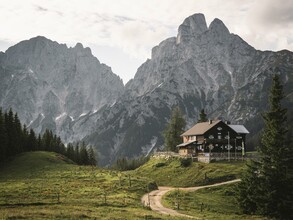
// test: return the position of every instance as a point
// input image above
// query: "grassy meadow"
(42, 185)
(169, 172)
(209, 203)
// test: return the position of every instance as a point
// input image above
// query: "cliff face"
(203, 67)
(52, 86)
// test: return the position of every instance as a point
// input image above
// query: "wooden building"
(213, 138)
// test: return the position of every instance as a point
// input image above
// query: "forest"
(16, 138)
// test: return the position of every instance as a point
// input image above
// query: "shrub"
(185, 162)
(152, 186)
(160, 164)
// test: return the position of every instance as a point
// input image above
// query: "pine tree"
(32, 141)
(77, 154)
(70, 151)
(18, 134)
(84, 157)
(3, 138)
(266, 188)
(92, 156)
(202, 116)
(174, 130)
(39, 143)
(11, 133)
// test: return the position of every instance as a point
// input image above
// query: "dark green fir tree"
(174, 129)
(92, 156)
(266, 187)
(202, 116)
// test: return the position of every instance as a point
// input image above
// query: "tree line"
(16, 138)
(124, 163)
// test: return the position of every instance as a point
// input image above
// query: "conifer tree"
(174, 129)
(24, 138)
(92, 157)
(18, 134)
(3, 138)
(10, 130)
(70, 151)
(266, 187)
(39, 143)
(32, 141)
(84, 157)
(202, 116)
(77, 154)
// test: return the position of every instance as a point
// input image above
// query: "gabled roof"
(200, 128)
(240, 129)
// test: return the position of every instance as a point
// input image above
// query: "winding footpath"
(153, 199)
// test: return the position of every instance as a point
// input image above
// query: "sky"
(121, 33)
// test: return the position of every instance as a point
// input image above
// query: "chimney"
(228, 122)
(210, 121)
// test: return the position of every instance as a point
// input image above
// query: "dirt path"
(153, 199)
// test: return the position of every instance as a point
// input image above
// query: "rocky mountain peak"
(218, 28)
(78, 46)
(82, 51)
(52, 86)
(194, 25)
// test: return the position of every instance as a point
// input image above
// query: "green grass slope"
(43, 185)
(169, 172)
(210, 203)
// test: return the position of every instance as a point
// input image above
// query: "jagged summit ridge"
(196, 26)
(51, 85)
(192, 26)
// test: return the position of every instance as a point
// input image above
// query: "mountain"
(203, 67)
(71, 92)
(53, 86)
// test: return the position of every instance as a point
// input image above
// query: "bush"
(185, 162)
(160, 164)
(152, 186)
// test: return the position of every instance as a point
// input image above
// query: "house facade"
(213, 138)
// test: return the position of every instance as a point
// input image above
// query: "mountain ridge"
(52, 85)
(201, 68)
(211, 69)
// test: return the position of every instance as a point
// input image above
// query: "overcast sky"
(121, 33)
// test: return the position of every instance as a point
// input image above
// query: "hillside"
(169, 172)
(42, 185)
(209, 203)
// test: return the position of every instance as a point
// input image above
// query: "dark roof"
(200, 128)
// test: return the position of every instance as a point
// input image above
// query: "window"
(211, 137)
(219, 136)
(193, 138)
(219, 128)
